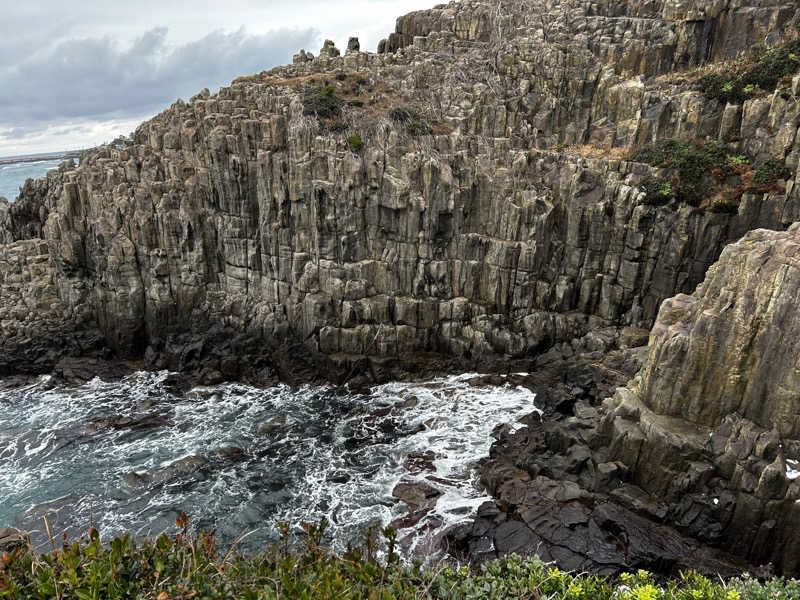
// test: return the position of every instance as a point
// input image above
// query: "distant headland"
(10, 160)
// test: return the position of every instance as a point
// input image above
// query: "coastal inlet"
(130, 456)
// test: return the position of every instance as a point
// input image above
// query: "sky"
(77, 74)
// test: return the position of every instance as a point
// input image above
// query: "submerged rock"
(276, 426)
(417, 494)
(180, 469)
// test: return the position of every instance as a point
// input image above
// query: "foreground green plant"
(184, 567)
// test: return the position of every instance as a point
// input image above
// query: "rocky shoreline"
(492, 218)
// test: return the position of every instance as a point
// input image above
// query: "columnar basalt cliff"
(711, 425)
(236, 219)
(701, 446)
(489, 209)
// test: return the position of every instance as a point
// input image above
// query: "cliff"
(235, 221)
(497, 203)
(693, 463)
(711, 424)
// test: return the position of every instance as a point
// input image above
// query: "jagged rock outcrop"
(701, 447)
(234, 223)
(487, 210)
(711, 425)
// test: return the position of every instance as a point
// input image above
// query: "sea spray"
(131, 455)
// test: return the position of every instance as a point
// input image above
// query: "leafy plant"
(183, 567)
(657, 191)
(323, 103)
(693, 168)
(413, 120)
(770, 171)
(762, 69)
(355, 143)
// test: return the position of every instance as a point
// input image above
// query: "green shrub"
(727, 206)
(323, 103)
(412, 119)
(185, 567)
(770, 171)
(693, 167)
(762, 69)
(355, 143)
(657, 191)
(401, 114)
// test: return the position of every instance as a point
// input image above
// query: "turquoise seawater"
(12, 177)
(129, 456)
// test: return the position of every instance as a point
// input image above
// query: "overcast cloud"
(86, 72)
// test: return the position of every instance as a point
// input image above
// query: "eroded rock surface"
(233, 231)
(699, 451)
(489, 215)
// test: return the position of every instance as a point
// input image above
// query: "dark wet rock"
(418, 462)
(61, 514)
(410, 402)
(16, 381)
(231, 454)
(120, 423)
(411, 519)
(381, 412)
(442, 481)
(191, 466)
(75, 371)
(175, 384)
(146, 405)
(338, 477)
(274, 427)
(416, 493)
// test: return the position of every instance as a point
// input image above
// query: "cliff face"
(711, 423)
(694, 464)
(236, 219)
(488, 209)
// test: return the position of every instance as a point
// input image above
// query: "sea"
(132, 455)
(13, 176)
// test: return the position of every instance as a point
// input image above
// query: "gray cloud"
(76, 74)
(96, 77)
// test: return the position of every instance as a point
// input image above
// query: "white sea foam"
(338, 455)
(13, 176)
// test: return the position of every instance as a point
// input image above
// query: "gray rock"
(417, 494)
(12, 539)
(179, 469)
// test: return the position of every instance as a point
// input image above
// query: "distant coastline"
(40, 157)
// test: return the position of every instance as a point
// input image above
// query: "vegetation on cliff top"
(185, 566)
